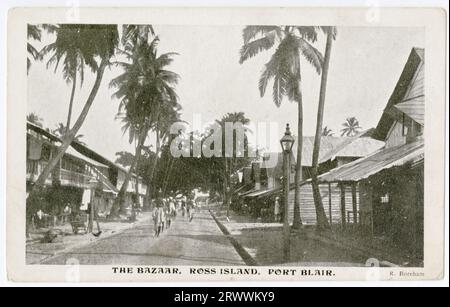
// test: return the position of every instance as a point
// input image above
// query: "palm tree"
(146, 91)
(291, 43)
(322, 221)
(70, 49)
(34, 33)
(99, 43)
(35, 119)
(351, 127)
(230, 162)
(327, 132)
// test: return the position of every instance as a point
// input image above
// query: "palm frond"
(252, 48)
(250, 32)
(311, 54)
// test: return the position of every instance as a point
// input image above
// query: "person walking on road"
(157, 219)
(168, 215)
(172, 208)
(183, 208)
(191, 209)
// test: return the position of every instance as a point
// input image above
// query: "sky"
(365, 65)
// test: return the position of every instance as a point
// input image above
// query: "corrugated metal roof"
(384, 158)
(414, 108)
(72, 152)
(260, 192)
(330, 148)
(328, 145)
(361, 147)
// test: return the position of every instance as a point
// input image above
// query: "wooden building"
(82, 175)
(387, 186)
(334, 152)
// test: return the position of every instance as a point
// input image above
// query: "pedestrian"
(172, 208)
(277, 209)
(157, 222)
(168, 215)
(162, 214)
(191, 208)
(183, 208)
(66, 213)
(94, 219)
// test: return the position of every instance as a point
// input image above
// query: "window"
(405, 125)
(384, 199)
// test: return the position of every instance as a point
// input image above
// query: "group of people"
(166, 210)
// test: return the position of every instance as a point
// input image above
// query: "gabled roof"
(360, 147)
(410, 85)
(383, 159)
(330, 148)
(413, 108)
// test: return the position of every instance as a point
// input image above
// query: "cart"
(78, 221)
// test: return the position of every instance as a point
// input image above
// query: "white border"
(7, 4)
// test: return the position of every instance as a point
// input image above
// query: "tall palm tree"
(146, 91)
(34, 33)
(229, 163)
(351, 127)
(322, 221)
(291, 42)
(99, 43)
(327, 132)
(68, 48)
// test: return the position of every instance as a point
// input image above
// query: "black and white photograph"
(241, 150)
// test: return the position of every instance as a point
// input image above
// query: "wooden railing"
(66, 177)
(71, 178)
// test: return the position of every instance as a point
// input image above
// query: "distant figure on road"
(191, 209)
(157, 218)
(183, 208)
(168, 215)
(172, 208)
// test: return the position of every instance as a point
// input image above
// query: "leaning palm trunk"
(322, 221)
(67, 140)
(297, 222)
(72, 95)
(119, 203)
(70, 136)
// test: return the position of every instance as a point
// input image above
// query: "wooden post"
(343, 217)
(329, 204)
(355, 206)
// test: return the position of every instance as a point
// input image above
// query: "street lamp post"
(287, 141)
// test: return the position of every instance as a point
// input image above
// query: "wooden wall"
(307, 208)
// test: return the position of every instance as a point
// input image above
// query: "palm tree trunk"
(152, 185)
(297, 222)
(69, 137)
(72, 95)
(322, 221)
(119, 203)
(168, 173)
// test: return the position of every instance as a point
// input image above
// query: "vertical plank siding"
(308, 210)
